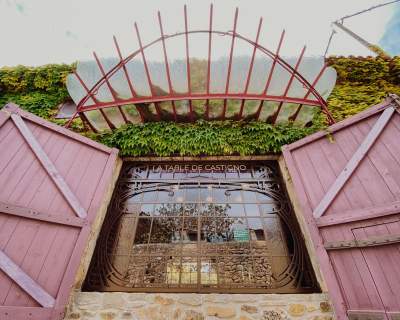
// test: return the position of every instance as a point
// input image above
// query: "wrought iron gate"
(200, 227)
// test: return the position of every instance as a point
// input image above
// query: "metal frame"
(172, 97)
(115, 250)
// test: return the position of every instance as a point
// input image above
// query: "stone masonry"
(159, 306)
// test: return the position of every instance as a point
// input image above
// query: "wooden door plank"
(326, 174)
(14, 109)
(49, 166)
(351, 280)
(40, 216)
(323, 258)
(5, 131)
(16, 148)
(25, 163)
(375, 262)
(46, 196)
(81, 163)
(353, 162)
(36, 189)
(32, 263)
(31, 313)
(354, 189)
(57, 259)
(25, 282)
(101, 198)
(384, 163)
(340, 125)
(359, 214)
(4, 116)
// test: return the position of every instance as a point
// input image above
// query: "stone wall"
(153, 306)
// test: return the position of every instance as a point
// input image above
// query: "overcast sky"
(35, 32)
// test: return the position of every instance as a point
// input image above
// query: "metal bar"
(369, 9)
(108, 121)
(362, 41)
(131, 88)
(49, 166)
(166, 63)
(40, 216)
(29, 285)
(187, 61)
(276, 56)
(146, 68)
(228, 77)
(289, 84)
(203, 96)
(209, 61)
(85, 119)
(89, 93)
(104, 76)
(123, 115)
(251, 66)
(165, 53)
(294, 117)
(353, 163)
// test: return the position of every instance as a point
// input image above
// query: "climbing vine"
(203, 138)
(362, 82)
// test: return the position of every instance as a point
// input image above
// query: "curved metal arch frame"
(171, 97)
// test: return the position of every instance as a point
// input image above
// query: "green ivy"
(203, 138)
(36, 89)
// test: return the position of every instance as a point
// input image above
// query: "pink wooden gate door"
(53, 182)
(348, 185)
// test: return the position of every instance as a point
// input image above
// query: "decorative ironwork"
(266, 87)
(200, 227)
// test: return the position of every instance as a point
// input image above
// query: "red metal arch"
(172, 97)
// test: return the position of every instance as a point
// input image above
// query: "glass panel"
(97, 120)
(182, 108)
(138, 76)
(199, 108)
(250, 108)
(142, 236)
(287, 111)
(259, 76)
(215, 108)
(198, 62)
(167, 112)
(115, 116)
(240, 66)
(208, 271)
(189, 273)
(177, 64)
(268, 109)
(131, 113)
(305, 115)
(166, 230)
(236, 210)
(232, 109)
